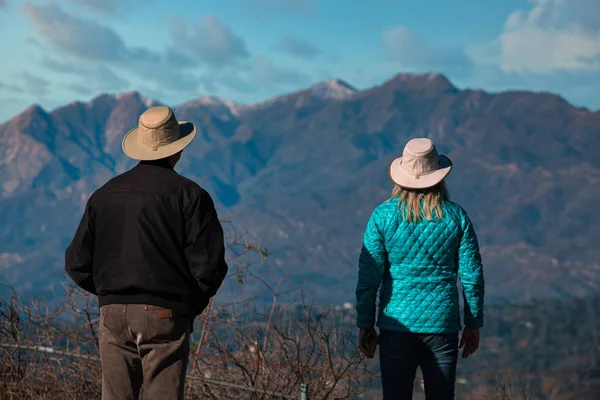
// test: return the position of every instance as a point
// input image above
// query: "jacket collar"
(159, 163)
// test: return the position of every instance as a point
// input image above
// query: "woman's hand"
(361, 340)
(470, 341)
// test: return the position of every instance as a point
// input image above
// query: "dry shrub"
(245, 349)
(48, 354)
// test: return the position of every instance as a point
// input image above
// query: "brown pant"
(143, 344)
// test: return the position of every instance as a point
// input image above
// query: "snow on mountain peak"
(334, 89)
(427, 80)
(147, 101)
(215, 102)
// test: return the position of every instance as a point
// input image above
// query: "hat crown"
(420, 157)
(158, 127)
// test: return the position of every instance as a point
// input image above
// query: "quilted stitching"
(417, 266)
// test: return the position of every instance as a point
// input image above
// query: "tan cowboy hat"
(158, 135)
(420, 166)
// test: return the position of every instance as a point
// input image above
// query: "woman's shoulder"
(390, 207)
(387, 207)
(385, 212)
(455, 210)
(453, 206)
(393, 202)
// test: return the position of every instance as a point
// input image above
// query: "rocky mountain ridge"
(303, 171)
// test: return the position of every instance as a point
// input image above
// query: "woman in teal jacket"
(415, 246)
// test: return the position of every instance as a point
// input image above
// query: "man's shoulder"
(133, 179)
(190, 191)
(166, 182)
(188, 185)
(107, 187)
(115, 183)
(175, 182)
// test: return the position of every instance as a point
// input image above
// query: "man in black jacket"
(150, 246)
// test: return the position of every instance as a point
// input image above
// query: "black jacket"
(149, 236)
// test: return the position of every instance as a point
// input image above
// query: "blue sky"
(58, 51)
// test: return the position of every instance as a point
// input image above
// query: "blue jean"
(400, 353)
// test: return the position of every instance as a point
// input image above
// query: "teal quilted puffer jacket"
(417, 265)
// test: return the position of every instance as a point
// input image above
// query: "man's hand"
(364, 332)
(470, 341)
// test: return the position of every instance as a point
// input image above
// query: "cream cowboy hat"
(158, 135)
(420, 166)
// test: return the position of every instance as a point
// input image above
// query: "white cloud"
(79, 37)
(264, 72)
(10, 87)
(261, 74)
(562, 13)
(34, 84)
(93, 50)
(411, 51)
(299, 47)
(103, 6)
(552, 35)
(530, 48)
(98, 58)
(79, 89)
(212, 41)
(110, 7)
(307, 7)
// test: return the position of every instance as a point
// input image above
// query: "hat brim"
(134, 149)
(403, 179)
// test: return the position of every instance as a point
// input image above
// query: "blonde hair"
(416, 204)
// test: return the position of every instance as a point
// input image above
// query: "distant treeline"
(546, 349)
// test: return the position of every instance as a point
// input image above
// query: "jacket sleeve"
(371, 266)
(470, 269)
(205, 248)
(79, 254)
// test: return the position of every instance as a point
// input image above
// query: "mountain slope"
(303, 171)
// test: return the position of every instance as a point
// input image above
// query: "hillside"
(545, 349)
(303, 171)
(537, 350)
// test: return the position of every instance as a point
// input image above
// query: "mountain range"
(303, 171)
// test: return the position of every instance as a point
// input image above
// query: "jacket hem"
(185, 309)
(426, 330)
(474, 324)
